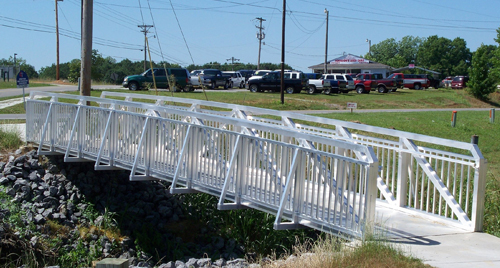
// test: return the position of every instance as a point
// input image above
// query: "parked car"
(328, 84)
(459, 82)
(343, 77)
(259, 74)
(195, 78)
(433, 82)
(411, 81)
(213, 78)
(447, 81)
(236, 79)
(298, 76)
(142, 81)
(246, 73)
(367, 82)
(313, 75)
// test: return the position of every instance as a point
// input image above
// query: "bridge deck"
(394, 224)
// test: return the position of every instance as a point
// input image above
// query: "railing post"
(403, 174)
(371, 194)
(478, 195)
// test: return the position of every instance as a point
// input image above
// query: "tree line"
(107, 69)
(446, 56)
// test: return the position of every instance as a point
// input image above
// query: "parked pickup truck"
(214, 78)
(411, 81)
(364, 83)
(272, 82)
(328, 84)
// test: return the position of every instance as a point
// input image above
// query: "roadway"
(11, 92)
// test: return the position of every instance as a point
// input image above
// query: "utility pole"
(282, 83)
(232, 59)
(260, 36)
(88, 7)
(145, 30)
(57, 42)
(326, 43)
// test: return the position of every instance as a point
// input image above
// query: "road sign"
(352, 105)
(22, 80)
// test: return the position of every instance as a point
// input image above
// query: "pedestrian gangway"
(335, 176)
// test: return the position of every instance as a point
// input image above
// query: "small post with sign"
(22, 81)
(352, 105)
(453, 118)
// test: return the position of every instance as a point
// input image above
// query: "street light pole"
(326, 43)
(369, 46)
(15, 64)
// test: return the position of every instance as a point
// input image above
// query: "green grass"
(9, 140)
(12, 84)
(332, 252)
(401, 99)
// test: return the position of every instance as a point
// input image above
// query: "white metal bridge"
(339, 177)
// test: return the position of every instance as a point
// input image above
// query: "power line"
(182, 33)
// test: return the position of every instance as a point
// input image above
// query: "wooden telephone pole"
(85, 72)
(57, 42)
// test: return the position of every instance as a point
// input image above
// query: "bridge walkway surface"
(423, 193)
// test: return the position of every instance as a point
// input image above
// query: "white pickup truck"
(319, 85)
(329, 83)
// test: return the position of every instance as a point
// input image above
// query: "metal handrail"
(327, 191)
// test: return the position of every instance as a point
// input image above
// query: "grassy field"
(12, 84)
(401, 99)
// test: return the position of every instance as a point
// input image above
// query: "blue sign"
(22, 80)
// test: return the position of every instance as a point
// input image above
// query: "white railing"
(333, 192)
(437, 178)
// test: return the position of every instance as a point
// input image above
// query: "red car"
(447, 81)
(459, 82)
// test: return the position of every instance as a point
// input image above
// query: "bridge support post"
(404, 168)
(478, 196)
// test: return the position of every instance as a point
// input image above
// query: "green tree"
(444, 55)
(74, 70)
(496, 58)
(482, 81)
(396, 53)
(383, 51)
(21, 65)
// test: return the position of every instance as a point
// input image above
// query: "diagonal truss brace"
(438, 183)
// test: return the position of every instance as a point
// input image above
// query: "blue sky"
(215, 30)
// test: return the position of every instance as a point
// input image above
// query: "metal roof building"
(352, 64)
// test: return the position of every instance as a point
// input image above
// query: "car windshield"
(210, 72)
(457, 79)
(261, 72)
